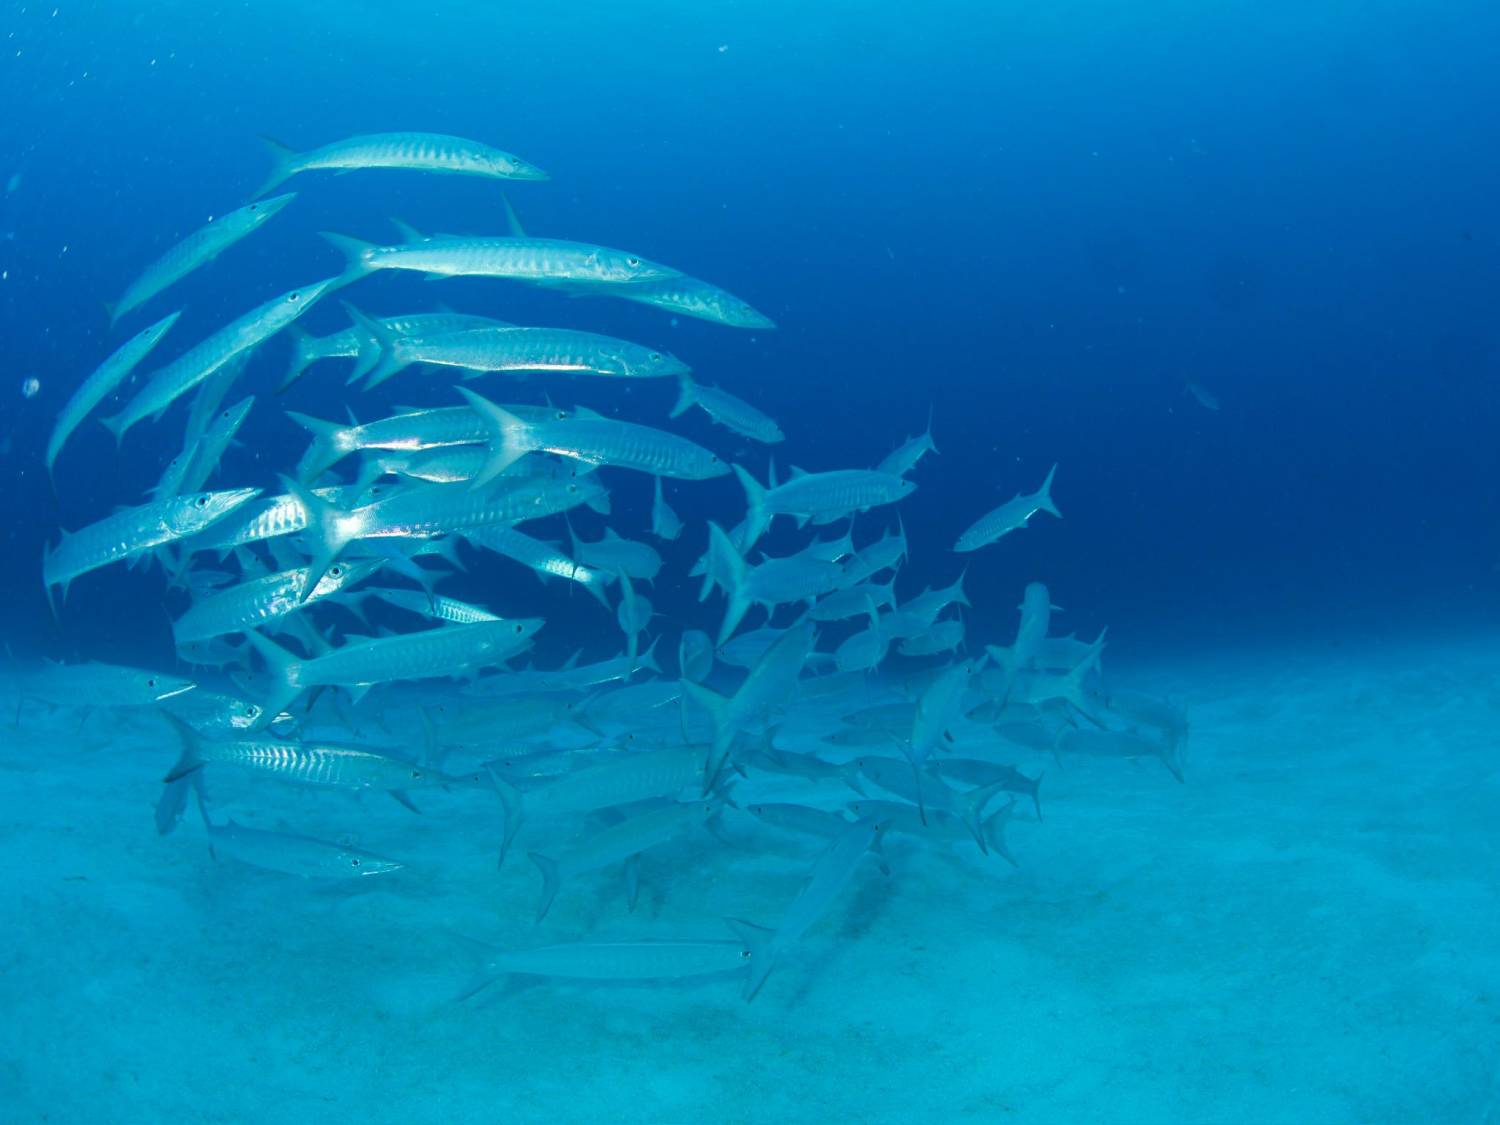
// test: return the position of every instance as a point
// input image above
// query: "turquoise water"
(1231, 271)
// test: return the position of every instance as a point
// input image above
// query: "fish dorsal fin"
(512, 222)
(408, 232)
(796, 471)
(585, 412)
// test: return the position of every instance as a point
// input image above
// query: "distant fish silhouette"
(1205, 400)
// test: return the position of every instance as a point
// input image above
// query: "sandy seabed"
(1306, 931)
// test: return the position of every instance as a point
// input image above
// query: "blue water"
(1036, 223)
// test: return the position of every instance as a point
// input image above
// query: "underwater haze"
(1069, 696)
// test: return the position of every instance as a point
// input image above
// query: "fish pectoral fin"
(401, 798)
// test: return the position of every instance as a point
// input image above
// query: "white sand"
(1308, 931)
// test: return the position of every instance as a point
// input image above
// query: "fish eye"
(151, 682)
(518, 627)
(253, 206)
(744, 955)
(656, 357)
(252, 710)
(336, 571)
(416, 774)
(201, 502)
(354, 862)
(632, 262)
(293, 296)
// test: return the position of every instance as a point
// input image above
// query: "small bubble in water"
(30, 386)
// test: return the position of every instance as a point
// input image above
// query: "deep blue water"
(1038, 222)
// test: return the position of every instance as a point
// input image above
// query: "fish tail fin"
(718, 709)
(648, 660)
(116, 424)
(330, 443)
(958, 590)
(383, 357)
(112, 310)
(974, 802)
(1074, 689)
(281, 666)
(756, 518)
(328, 533)
(994, 831)
(728, 566)
(514, 809)
(282, 158)
(508, 437)
(551, 881)
(759, 944)
(304, 354)
(174, 798)
(686, 395)
(930, 443)
(1044, 494)
(191, 757)
(359, 255)
(1036, 794)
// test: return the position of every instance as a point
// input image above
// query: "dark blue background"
(1039, 220)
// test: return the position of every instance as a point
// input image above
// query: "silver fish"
(105, 378)
(522, 351)
(521, 259)
(687, 296)
(198, 363)
(724, 408)
(594, 440)
(1013, 515)
(422, 152)
(356, 343)
(197, 249)
(430, 654)
(134, 531)
(253, 604)
(822, 497)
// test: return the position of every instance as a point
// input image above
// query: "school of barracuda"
(849, 722)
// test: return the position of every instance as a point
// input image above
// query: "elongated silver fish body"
(198, 363)
(356, 342)
(436, 606)
(527, 351)
(96, 684)
(104, 379)
(541, 557)
(210, 447)
(594, 440)
(197, 249)
(266, 519)
(728, 410)
(822, 497)
(253, 604)
(429, 654)
(1013, 515)
(520, 259)
(134, 531)
(690, 297)
(422, 152)
(291, 854)
(328, 765)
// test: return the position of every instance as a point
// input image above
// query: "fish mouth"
(174, 692)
